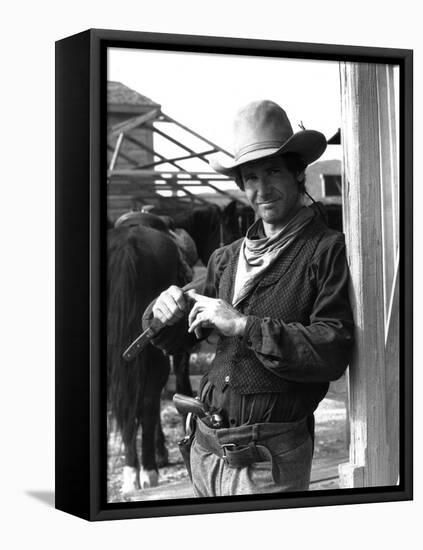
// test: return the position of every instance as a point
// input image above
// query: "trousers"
(286, 466)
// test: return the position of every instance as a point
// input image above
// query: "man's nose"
(262, 186)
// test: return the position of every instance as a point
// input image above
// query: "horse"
(142, 262)
(236, 219)
(203, 224)
(188, 256)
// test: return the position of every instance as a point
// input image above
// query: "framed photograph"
(233, 274)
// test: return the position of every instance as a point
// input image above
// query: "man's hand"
(215, 313)
(170, 306)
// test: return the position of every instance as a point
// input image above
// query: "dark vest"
(286, 292)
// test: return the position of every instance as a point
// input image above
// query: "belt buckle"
(224, 447)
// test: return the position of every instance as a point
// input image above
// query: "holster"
(186, 442)
(185, 448)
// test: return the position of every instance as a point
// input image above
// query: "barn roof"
(119, 94)
(170, 171)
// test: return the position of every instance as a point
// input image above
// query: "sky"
(204, 91)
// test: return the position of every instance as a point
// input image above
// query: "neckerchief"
(257, 254)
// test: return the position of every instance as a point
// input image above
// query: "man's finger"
(163, 309)
(194, 312)
(193, 294)
(171, 303)
(194, 321)
(198, 329)
(167, 310)
(196, 326)
(164, 315)
(178, 296)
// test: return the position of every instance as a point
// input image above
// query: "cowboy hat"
(262, 129)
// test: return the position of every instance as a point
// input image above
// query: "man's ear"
(301, 176)
(238, 180)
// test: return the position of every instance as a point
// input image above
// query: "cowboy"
(278, 301)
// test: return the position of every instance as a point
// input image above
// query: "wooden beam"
(133, 123)
(124, 156)
(134, 110)
(364, 119)
(391, 277)
(144, 172)
(389, 176)
(153, 152)
(392, 340)
(167, 118)
(226, 193)
(174, 141)
(192, 152)
(175, 159)
(116, 151)
(177, 187)
(139, 173)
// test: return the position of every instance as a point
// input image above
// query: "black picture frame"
(80, 271)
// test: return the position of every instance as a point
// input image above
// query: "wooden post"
(371, 229)
(116, 151)
(390, 232)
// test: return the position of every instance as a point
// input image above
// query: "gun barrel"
(185, 404)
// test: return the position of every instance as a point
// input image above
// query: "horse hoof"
(131, 482)
(148, 478)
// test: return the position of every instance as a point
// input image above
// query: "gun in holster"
(186, 405)
(193, 408)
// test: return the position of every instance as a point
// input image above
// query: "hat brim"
(308, 144)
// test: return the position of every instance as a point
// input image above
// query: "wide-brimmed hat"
(262, 129)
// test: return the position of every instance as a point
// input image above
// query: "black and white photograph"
(253, 275)
(210, 295)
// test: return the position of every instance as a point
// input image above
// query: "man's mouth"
(267, 202)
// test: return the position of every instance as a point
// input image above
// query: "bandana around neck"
(258, 253)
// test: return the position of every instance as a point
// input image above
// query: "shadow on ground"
(46, 497)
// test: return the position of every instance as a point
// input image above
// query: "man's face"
(272, 190)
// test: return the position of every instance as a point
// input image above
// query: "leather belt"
(249, 447)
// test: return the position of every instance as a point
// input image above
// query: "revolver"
(186, 405)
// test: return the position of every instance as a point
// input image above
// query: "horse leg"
(149, 476)
(150, 415)
(131, 469)
(183, 382)
(181, 370)
(162, 455)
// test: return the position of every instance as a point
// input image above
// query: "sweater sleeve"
(318, 351)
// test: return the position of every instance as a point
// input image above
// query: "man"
(278, 300)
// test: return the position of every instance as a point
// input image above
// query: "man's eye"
(274, 171)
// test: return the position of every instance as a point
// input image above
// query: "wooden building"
(123, 107)
(124, 104)
(155, 160)
(324, 184)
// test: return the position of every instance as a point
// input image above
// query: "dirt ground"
(330, 441)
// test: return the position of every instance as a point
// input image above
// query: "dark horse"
(203, 224)
(142, 262)
(236, 219)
